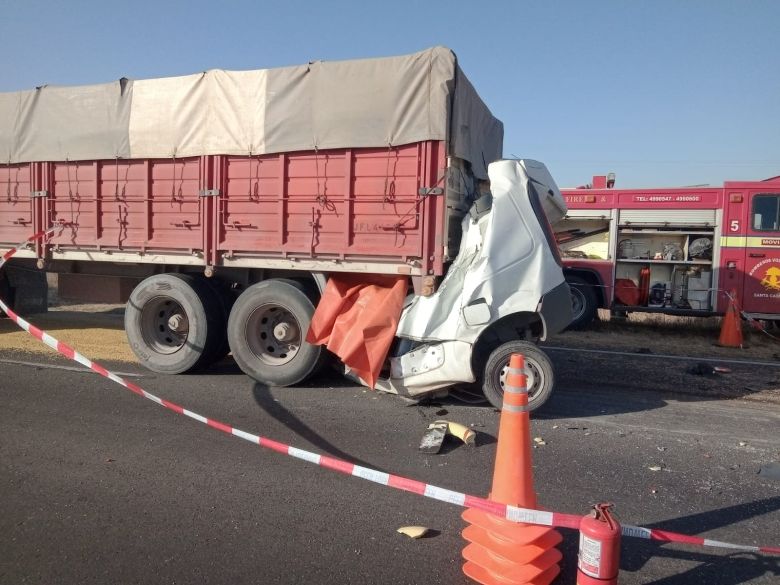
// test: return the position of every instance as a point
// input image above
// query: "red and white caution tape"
(664, 536)
(512, 513)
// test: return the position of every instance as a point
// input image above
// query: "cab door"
(761, 292)
(731, 265)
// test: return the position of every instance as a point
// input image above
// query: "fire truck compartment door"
(681, 217)
(588, 214)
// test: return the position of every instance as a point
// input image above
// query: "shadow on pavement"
(265, 400)
(716, 569)
(596, 400)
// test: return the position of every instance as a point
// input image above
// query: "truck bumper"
(556, 310)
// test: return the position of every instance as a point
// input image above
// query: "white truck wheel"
(539, 371)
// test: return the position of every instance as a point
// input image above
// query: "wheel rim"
(273, 334)
(577, 302)
(164, 325)
(534, 378)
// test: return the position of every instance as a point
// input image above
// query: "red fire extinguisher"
(644, 286)
(598, 560)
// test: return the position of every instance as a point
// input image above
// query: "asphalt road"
(100, 486)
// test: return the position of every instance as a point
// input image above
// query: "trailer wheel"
(174, 323)
(539, 372)
(267, 330)
(583, 302)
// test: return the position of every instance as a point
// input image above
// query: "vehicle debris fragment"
(433, 437)
(705, 369)
(465, 434)
(414, 532)
(437, 431)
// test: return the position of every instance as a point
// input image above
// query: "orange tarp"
(357, 318)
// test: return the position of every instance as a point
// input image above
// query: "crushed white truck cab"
(504, 291)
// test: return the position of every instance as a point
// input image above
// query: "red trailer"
(219, 204)
(675, 251)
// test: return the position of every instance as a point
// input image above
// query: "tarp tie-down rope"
(512, 513)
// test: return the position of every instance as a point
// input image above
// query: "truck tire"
(584, 304)
(539, 371)
(174, 323)
(267, 330)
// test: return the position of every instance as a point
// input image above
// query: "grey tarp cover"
(343, 104)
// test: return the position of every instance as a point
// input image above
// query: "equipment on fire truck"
(700, 248)
(657, 294)
(680, 288)
(728, 233)
(627, 249)
(644, 285)
(699, 288)
(626, 292)
(690, 287)
(672, 251)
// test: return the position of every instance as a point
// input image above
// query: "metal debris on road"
(437, 431)
(433, 437)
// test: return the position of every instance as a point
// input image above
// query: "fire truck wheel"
(174, 323)
(267, 330)
(584, 305)
(538, 367)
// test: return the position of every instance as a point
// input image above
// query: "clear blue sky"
(660, 92)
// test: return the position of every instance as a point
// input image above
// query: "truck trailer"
(676, 251)
(219, 205)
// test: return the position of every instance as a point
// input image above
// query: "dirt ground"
(650, 347)
(665, 334)
(97, 331)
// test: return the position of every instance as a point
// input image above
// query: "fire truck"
(677, 251)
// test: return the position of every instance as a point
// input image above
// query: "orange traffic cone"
(501, 551)
(731, 328)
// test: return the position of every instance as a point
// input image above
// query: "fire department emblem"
(771, 280)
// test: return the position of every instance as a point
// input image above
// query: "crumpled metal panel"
(504, 259)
